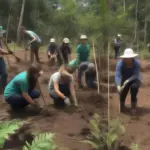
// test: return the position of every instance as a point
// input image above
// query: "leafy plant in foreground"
(135, 147)
(101, 136)
(43, 141)
(8, 128)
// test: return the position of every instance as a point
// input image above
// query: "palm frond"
(43, 141)
(8, 128)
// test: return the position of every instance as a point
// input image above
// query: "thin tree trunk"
(145, 31)
(124, 5)
(20, 21)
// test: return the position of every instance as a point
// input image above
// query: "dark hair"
(31, 72)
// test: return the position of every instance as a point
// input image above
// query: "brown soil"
(137, 127)
(70, 126)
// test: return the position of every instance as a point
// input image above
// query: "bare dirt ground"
(70, 127)
(138, 127)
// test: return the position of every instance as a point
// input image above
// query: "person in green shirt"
(20, 91)
(83, 50)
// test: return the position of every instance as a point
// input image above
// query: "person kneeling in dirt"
(128, 78)
(89, 71)
(61, 86)
(21, 91)
(52, 49)
(65, 50)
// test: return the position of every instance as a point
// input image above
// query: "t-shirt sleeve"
(31, 34)
(23, 87)
(118, 74)
(56, 78)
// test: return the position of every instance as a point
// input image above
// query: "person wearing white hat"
(52, 49)
(117, 43)
(127, 78)
(87, 69)
(65, 50)
(61, 87)
(83, 50)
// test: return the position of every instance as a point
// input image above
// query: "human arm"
(3, 52)
(32, 36)
(73, 93)
(83, 80)
(56, 88)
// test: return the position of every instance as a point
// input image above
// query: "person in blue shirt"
(20, 91)
(88, 71)
(128, 78)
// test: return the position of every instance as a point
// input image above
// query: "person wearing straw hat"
(3, 70)
(61, 87)
(128, 78)
(34, 44)
(52, 49)
(83, 50)
(117, 42)
(20, 91)
(65, 50)
(87, 69)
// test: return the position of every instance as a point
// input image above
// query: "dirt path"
(70, 128)
(137, 128)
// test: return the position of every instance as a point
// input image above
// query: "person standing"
(3, 69)
(65, 50)
(127, 78)
(117, 42)
(34, 44)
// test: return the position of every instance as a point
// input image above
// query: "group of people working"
(21, 90)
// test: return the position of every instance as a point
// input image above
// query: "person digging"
(20, 91)
(3, 68)
(34, 44)
(127, 78)
(87, 69)
(61, 87)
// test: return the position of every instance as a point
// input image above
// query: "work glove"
(125, 83)
(67, 101)
(119, 89)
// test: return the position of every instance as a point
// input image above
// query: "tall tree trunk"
(145, 30)
(124, 5)
(20, 21)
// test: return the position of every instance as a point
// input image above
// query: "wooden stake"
(97, 75)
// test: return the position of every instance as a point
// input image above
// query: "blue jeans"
(17, 101)
(3, 74)
(59, 102)
(91, 84)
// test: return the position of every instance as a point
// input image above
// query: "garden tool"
(17, 58)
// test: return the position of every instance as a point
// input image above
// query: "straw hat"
(128, 53)
(52, 40)
(83, 37)
(66, 40)
(119, 35)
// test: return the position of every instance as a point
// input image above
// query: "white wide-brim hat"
(52, 40)
(66, 40)
(128, 53)
(83, 37)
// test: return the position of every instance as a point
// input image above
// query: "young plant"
(7, 128)
(102, 136)
(135, 147)
(43, 141)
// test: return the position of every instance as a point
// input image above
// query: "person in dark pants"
(61, 87)
(21, 91)
(34, 44)
(65, 50)
(87, 70)
(3, 69)
(128, 78)
(117, 42)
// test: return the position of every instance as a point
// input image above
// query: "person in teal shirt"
(83, 50)
(21, 91)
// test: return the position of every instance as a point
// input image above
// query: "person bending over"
(87, 69)
(61, 87)
(20, 91)
(128, 78)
